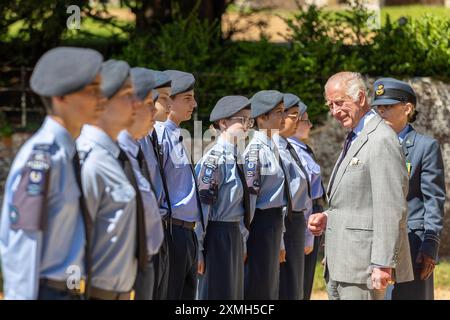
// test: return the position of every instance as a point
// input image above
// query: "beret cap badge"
(380, 90)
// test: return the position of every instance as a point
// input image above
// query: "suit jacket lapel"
(409, 141)
(355, 147)
(407, 146)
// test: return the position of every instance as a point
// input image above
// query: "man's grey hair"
(353, 82)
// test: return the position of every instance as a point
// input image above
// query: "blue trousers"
(262, 270)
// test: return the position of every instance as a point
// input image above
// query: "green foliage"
(320, 43)
(6, 129)
(412, 47)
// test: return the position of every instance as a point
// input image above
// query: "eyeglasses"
(336, 103)
(294, 116)
(307, 121)
(244, 121)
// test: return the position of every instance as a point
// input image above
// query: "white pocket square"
(355, 162)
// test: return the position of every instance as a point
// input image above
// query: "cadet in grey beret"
(227, 106)
(181, 81)
(114, 74)
(143, 82)
(264, 101)
(162, 80)
(64, 70)
(33, 203)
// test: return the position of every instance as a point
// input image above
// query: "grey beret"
(302, 107)
(389, 91)
(227, 106)
(155, 95)
(264, 101)
(290, 100)
(181, 81)
(114, 75)
(162, 80)
(143, 82)
(65, 70)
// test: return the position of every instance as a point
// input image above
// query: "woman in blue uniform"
(225, 203)
(269, 194)
(318, 195)
(396, 102)
(292, 270)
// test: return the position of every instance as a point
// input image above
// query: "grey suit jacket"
(368, 210)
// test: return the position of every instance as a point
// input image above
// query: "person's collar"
(62, 135)
(97, 135)
(173, 127)
(127, 142)
(363, 121)
(297, 142)
(280, 141)
(402, 134)
(264, 138)
(226, 145)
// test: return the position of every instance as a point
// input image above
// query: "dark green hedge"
(321, 44)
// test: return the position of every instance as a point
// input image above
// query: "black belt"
(62, 286)
(100, 294)
(177, 222)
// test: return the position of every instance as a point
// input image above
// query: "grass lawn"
(441, 279)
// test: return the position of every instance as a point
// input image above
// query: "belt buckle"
(82, 287)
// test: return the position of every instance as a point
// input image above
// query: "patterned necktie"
(140, 218)
(87, 221)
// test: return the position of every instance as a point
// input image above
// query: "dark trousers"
(145, 282)
(48, 293)
(262, 270)
(161, 266)
(224, 264)
(310, 269)
(416, 289)
(292, 271)
(183, 250)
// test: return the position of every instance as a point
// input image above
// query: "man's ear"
(362, 98)
(222, 124)
(408, 108)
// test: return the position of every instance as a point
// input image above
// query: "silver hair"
(353, 82)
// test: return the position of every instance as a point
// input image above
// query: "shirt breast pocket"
(314, 168)
(122, 193)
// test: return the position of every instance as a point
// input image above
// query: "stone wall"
(327, 140)
(433, 119)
